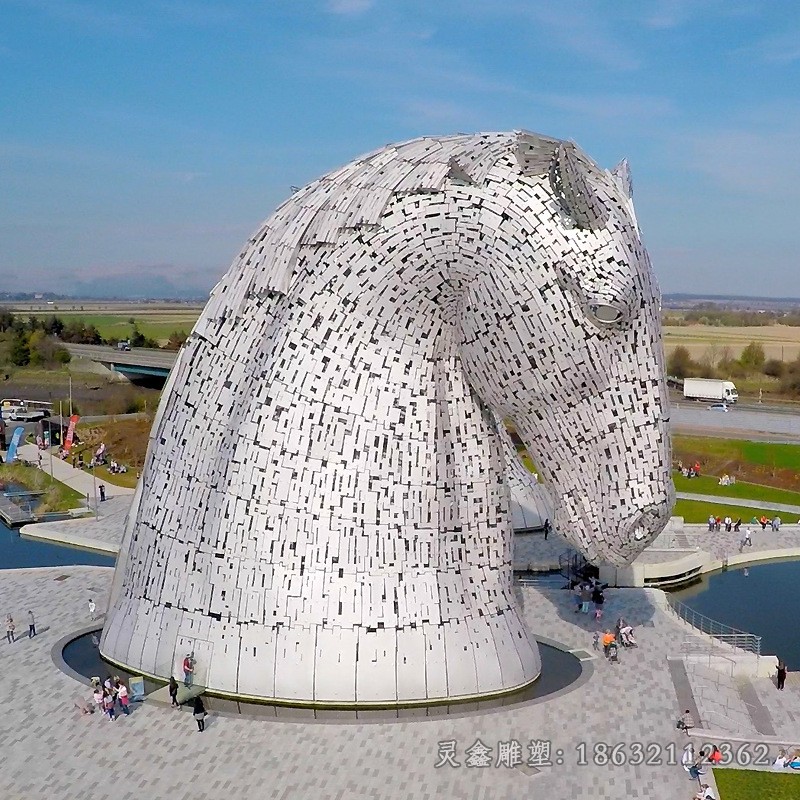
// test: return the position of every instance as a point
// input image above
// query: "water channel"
(761, 599)
(19, 553)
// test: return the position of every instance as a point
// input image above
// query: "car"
(26, 415)
(718, 407)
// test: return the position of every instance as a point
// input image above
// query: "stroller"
(613, 653)
(627, 637)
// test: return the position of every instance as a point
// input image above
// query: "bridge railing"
(725, 634)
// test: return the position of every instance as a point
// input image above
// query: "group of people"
(109, 694)
(621, 637)
(198, 708)
(589, 593)
(11, 627)
(695, 763)
(718, 523)
(692, 471)
(787, 760)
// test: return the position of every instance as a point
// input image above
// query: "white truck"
(710, 389)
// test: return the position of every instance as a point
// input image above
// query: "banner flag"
(14, 444)
(73, 421)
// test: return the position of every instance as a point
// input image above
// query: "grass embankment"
(761, 463)
(126, 443)
(56, 495)
(697, 511)
(742, 784)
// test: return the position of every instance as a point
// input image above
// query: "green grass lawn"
(742, 784)
(56, 495)
(782, 456)
(155, 325)
(709, 484)
(118, 479)
(693, 511)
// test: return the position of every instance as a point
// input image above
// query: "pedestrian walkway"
(81, 480)
(103, 533)
(739, 501)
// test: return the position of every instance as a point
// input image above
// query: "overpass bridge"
(139, 362)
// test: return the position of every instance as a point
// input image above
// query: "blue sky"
(142, 142)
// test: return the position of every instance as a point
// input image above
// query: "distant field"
(779, 341)
(155, 324)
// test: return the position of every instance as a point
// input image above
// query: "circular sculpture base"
(561, 672)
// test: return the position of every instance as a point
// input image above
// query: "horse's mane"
(355, 197)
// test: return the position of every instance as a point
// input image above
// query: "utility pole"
(96, 506)
(70, 395)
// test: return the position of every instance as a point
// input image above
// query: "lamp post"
(61, 422)
(94, 484)
(70, 395)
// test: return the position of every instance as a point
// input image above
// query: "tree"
(752, 357)
(6, 320)
(680, 364)
(774, 368)
(20, 352)
(176, 340)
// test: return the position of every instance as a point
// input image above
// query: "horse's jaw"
(611, 485)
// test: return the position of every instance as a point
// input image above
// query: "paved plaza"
(49, 749)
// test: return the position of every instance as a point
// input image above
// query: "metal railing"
(740, 640)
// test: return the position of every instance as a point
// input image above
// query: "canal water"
(761, 599)
(18, 553)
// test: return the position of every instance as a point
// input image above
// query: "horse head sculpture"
(323, 514)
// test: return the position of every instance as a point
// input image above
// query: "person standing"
(711, 522)
(199, 713)
(92, 608)
(122, 696)
(31, 625)
(746, 540)
(546, 529)
(188, 669)
(10, 628)
(598, 598)
(781, 675)
(108, 704)
(102, 489)
(98, 696)
(173, 691)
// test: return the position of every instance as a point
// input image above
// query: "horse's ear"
(574, 192)
(458, 173)
(622, 175)
(533, 152)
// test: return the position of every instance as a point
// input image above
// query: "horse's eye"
(604, 314)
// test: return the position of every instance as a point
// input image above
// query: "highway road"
(747, 420)
(138, 356)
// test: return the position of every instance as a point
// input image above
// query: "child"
(596, 640)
